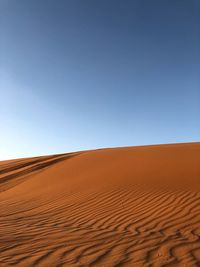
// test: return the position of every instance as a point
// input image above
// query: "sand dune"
(135, 206)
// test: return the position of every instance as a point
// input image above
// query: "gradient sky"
(79, 74)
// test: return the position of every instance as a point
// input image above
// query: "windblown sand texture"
(133, 206)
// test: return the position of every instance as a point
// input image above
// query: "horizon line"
(102, 148)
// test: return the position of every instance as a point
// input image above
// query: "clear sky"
(80, 74)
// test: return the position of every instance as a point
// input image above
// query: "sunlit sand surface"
(132, 206)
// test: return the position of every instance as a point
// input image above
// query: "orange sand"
(134, 206)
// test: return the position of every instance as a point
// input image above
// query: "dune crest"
(132, 206)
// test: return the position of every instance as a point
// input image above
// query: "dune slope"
(135, 206)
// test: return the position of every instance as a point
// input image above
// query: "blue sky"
(77, 75)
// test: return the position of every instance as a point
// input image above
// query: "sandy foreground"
(133, 206)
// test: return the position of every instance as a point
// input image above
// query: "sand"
(132, 206)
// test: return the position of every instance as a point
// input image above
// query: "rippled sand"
(133, 206)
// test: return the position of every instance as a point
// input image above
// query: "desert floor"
(131, 206)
